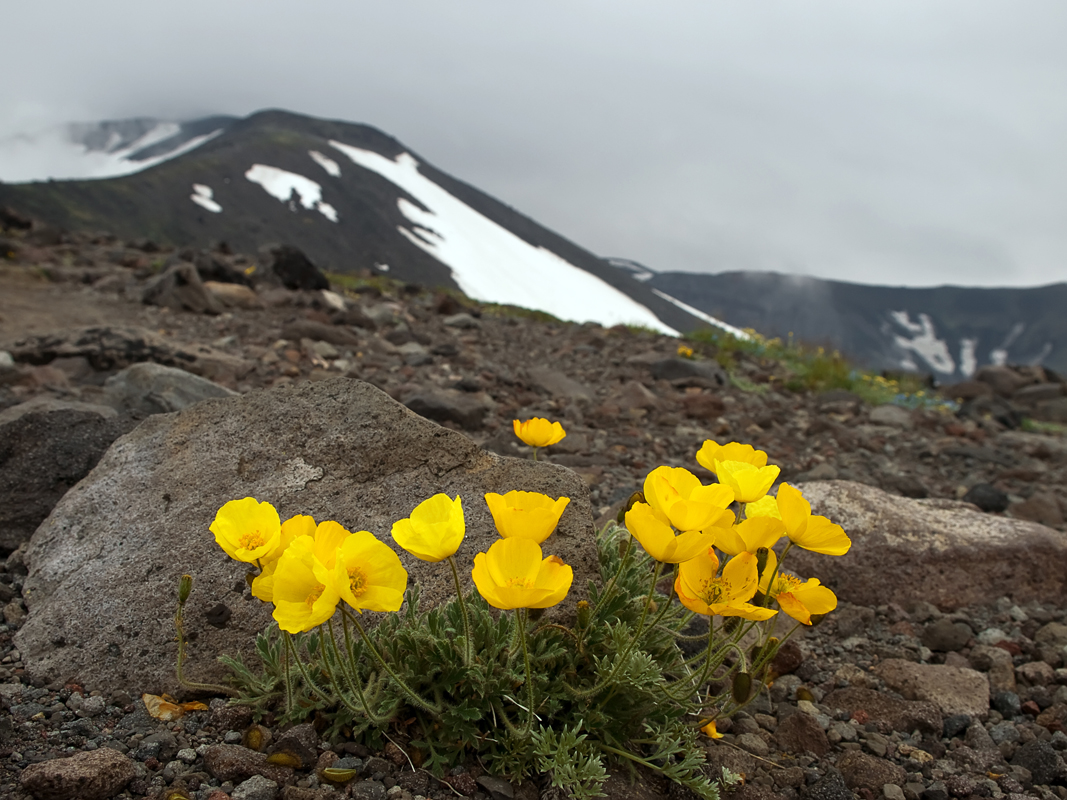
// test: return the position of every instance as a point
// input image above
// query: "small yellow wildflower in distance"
(247, 529)
(367, 574)
(527, 515)
(806, 530)
(435, 529)
(539, 432)
(653, 530)
(749, 482)
(679, 495)
(514, 575)
(712, 451)
(700, 588)
(685, 351)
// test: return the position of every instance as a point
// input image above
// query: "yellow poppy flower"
(749, 535)
(263, 585)
(711, 730)
(247, 529)
(748, 481)
(304, 591)
(538, 432)
(513, 575)
(528, 515)
(367, 574)
(435, 529)
(712, 451)
(700, 588)
(813, 533)
(766, 506)
(653, 530)
(679, 495)
(797, 598)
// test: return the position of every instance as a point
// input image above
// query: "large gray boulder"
(147, 388)
(46, 447)
(944, 552)
(105, 565)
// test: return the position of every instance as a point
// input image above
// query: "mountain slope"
(948, 331)
(353, 198)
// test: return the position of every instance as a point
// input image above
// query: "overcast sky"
(898, 142)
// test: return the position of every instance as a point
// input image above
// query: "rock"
(415, 354)
(945, 636)
(992, 407)
(1043, 762)
(1035, 673)
(1004, 381)
(673, 369)
(295, 270)
(1041, 507)
(633, 394)
(47, 446)
(334, 449)
(449, 405)
(831, 786)
(997, 662)
(93, 775)
(463, 321)
(900, 715)
(954, 690)
(703, 405)
(498, 788)
(108, 348)
(1053, 635)
(753, 743)
(987, 497)
(319, 332)
(234, 295)
(861, 771)
(555, 384)
(231, 762)
(255, 788)
(7, 362)
(800, 733)
(1007, 704)
(955, 724)
(966, 390)
(1052, 411)
(893, 416)
(941, 550)
(180, 288)
(820, 472)
(147, 388)
(1040, 392)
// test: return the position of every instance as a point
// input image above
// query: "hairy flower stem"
(409, 693)
(468, 645)
(523, 616)
(312, 686)
(610, 588)
(184, 587)
(350, 675)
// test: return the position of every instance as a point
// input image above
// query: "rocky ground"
(895, 699)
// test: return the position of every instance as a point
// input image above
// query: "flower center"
(357, 582)
(316, 593)
(521, 583)
(251, 540)
(784, 584)
(715, 591)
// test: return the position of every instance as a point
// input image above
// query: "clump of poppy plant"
(486, 675)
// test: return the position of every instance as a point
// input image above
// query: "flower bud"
(636, 497)
(185, 586)
(761, 562)
(585, 614)
(741, 687)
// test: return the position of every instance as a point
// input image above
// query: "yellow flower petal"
(710, 730)
(247, 529)
(749, 482)
(766, 506)
(538, 432)
(528, 515)
(712, 451)
(304, 596)
(815, 533)
(652, 529)
(513, 575)
(435, 529)
(678, 494)
(368, 575)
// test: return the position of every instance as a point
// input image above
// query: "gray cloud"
(905, 143)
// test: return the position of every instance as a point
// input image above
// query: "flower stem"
(468, 645)
(523, 619)
(409, 693)
(312, 686)
(351, 677)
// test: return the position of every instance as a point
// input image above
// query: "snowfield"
(281, 184)
(203, 196)
(489, 262)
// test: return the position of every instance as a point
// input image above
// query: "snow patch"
(281, 184)
(492, 264)
(332, 167)
(696, 312)
(924, 341)
(999, 355)
(968, 362)
(202, 196)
